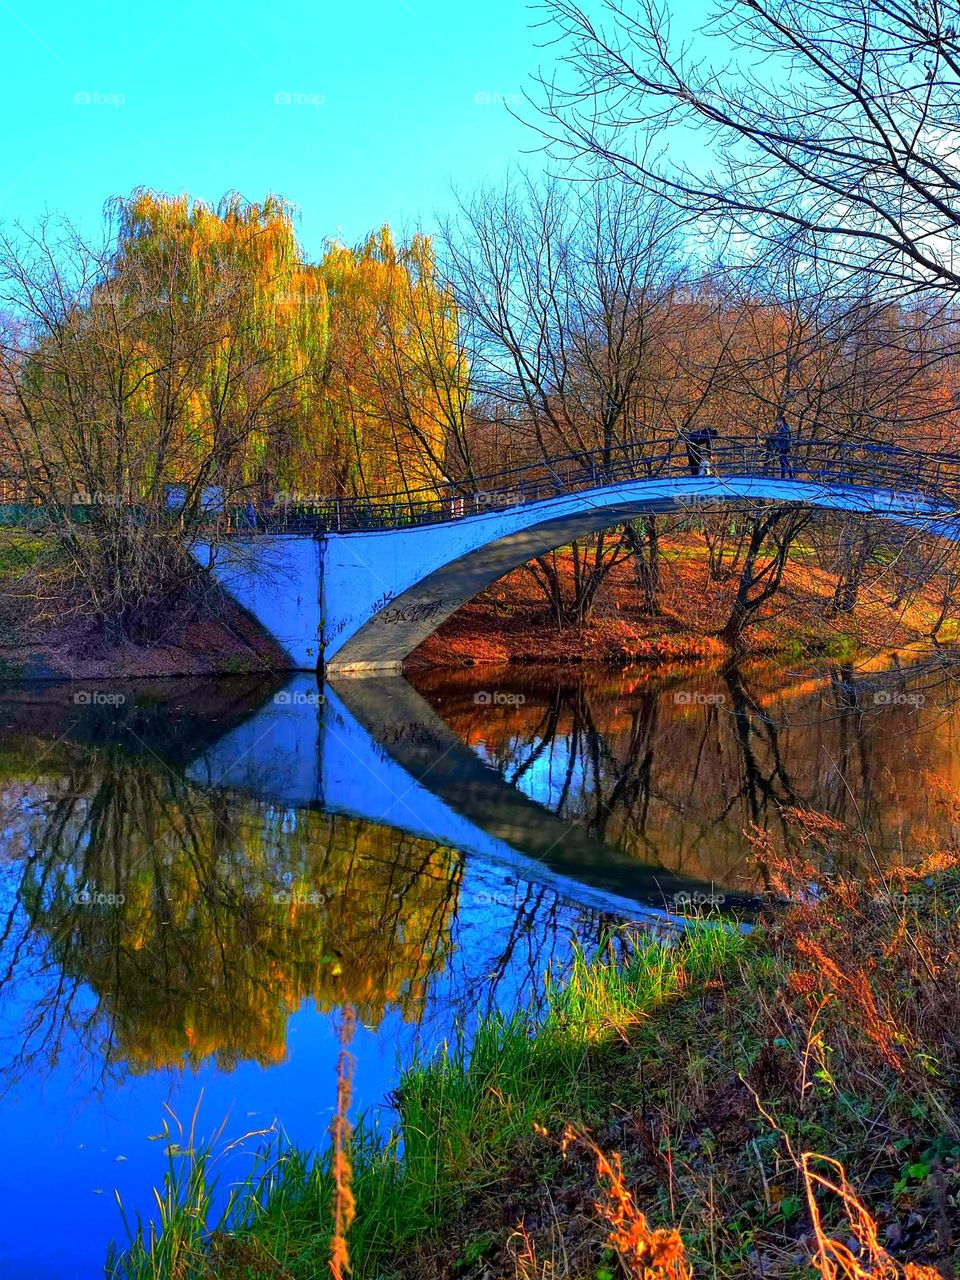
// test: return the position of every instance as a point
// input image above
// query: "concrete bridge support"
(275, 578)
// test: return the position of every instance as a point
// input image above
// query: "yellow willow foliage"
(233, 278)
(209, 352)
(232, 914)
(397, 379)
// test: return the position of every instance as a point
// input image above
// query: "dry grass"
(647, 1253)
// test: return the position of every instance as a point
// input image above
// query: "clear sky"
(358, 113)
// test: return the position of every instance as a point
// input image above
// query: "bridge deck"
(865, 464)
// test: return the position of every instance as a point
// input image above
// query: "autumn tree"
(566, 295)
(844, 376)
(183, 350)
(773, 531)
(824, 125)
(393, 417)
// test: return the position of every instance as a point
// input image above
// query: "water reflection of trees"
(534, 934)
(174, 924)
(156, 923)
(674, 772)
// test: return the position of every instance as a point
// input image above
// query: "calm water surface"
(195, 879)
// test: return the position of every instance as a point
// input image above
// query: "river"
(196, 876)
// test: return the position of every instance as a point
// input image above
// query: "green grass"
(19, 551)
(462, 1118)
(839, 646)
(949, 633)
(707, 1063)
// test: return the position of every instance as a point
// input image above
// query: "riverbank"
(772, 1104)
(510, 623)
(216, 641)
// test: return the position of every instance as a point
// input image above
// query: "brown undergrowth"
(796, 1117)
(509, 622)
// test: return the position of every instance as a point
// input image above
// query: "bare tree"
(772, 534)
(832, 117)
(571, 298)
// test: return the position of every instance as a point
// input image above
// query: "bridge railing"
(864, 464)
(812, 459)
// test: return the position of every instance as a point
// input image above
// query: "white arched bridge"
(354, 585)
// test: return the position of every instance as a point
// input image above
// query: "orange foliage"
(835, 1259)
(647, 1253)
(831, 979)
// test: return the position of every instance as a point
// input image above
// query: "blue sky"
(357, 113)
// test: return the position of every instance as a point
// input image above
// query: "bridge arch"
(359, 601)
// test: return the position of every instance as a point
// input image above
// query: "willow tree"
(185, 349)
(253, 392)
(396, 397)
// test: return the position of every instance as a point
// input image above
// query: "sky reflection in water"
(194, 881)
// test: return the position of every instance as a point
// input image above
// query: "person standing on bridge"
(693, 452)
(700, 451)
(780, 444)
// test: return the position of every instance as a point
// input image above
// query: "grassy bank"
(676, 1108)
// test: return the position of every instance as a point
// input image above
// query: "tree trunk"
(645, 548)
(758, 584)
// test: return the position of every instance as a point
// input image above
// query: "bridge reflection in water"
(195, 880)
(376, 750)
(164, 939)
(188, 867)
